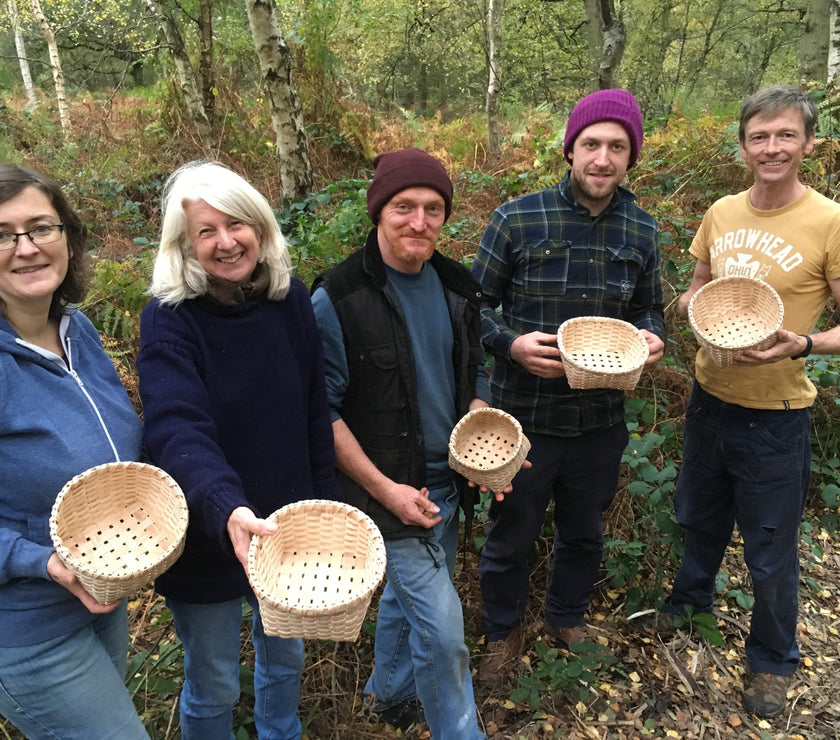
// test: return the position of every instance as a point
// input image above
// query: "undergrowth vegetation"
(127, 146)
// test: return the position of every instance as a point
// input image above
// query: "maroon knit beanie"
(606, 105)
(406, 168)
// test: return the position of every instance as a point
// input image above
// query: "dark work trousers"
(751, 467)
(580, 475)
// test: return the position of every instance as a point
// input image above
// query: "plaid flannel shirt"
(545, 259)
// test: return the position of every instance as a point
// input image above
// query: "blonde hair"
(177, 274)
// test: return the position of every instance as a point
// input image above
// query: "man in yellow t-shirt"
(747, 449)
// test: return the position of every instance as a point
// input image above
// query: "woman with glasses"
(235, 409)
(62, 410)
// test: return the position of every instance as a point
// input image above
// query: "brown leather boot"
(564, 636)
(500, 658)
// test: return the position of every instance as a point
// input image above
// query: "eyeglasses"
(39, 236)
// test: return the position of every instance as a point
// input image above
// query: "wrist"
(809, 345)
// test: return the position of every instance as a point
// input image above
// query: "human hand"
(656, 349)
(63, 576)
(787, 344)
(242, 525)
(537, 352)
(499, 495)
(411, 506)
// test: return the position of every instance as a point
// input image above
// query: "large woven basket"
(600, 352)
(315, 576)
(488, 446)
(118, 526)
(732, 314)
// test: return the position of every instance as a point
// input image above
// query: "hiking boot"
(403, 714)
(765, 694)
(565, 636)
(499, 657)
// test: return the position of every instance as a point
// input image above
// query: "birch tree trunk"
(495, 9)
(20, 47)
(55, 66)
(205, 64)
(814, 45)
(284, 104)
(607, 38)
(186, 75)
(834, 41)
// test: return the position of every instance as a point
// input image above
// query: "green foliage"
(586, 664)
(638, 561)
(325, 227)
(117, 295)
(703, 623)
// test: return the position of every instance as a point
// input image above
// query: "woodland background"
(299, 95)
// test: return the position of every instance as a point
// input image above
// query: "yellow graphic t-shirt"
(796, 249)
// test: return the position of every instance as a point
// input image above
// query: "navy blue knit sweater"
(235, 410)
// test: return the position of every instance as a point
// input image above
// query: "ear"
(809, 145)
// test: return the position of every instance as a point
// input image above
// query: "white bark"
(495, 9)
(186, 75)
(607, 38)
(834, 41)
(55, 66)
(284, 103)
(23, 61)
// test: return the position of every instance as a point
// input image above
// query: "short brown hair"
(775, 98)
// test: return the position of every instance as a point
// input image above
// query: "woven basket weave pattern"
(488, 446)
(732, 314)
(315, 576)
(600, 352)
(118, 526)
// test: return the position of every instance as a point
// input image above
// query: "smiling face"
(409, 226)
(600, 156)
(224, 246)
(774, 146)
(29, 275)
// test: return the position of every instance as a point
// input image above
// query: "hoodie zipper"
(87, 395)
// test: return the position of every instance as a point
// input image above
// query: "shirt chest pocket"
(622, 270)
(374, 374)
(544, 268)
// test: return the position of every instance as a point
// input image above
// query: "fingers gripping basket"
(600, 352)
(118, 526)
(315, 576)
(732, 314)
(488, 446)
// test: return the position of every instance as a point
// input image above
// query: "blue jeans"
(71, 687)
(581, 475)
(419, 649)
(751, 467)
(210, 634)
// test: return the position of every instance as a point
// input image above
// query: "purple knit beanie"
(606, 105)
(406, 168)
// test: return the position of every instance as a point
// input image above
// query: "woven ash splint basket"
(118, 526)
(315, 576)
(732, 314)
(600, 352)
(488, 446)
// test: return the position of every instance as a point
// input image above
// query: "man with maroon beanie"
(578, 248)
(401, 328)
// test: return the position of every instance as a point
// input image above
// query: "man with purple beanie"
(578, 248)
(401, 328)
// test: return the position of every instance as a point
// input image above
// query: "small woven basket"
(600, 352)
(732, 314)
(118, 526)
(488, 446)
(315, 576)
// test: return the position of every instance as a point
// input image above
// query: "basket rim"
(485, 411)
(717, 282)
(81, 567)
(626, 325)
(377, 566)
